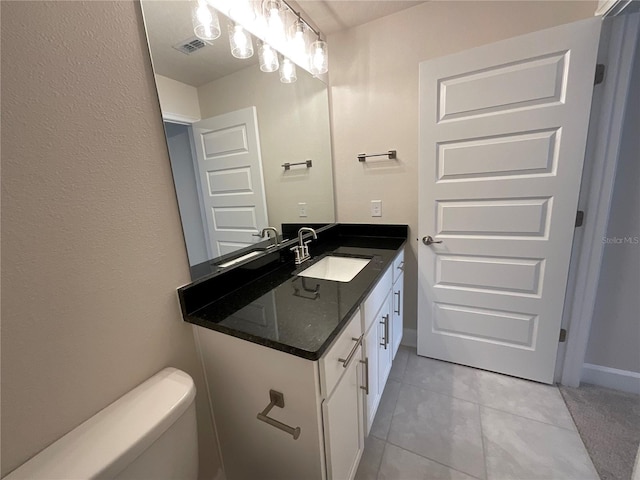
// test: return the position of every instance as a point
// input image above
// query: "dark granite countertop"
(273, 306)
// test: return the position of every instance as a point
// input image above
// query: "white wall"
(294, 126)
(92, 249)
(374, 96)
(178, 100)
(614, 340)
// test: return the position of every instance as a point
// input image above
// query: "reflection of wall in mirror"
(179, 101)
(294, 126)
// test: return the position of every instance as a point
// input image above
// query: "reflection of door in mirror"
(230, 172)
(260, 317)
(225, 159)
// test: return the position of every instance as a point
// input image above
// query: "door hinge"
(600, 68)
(579, 218)
(563, 335)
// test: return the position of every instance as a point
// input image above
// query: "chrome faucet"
(302, 250)
(265, 233)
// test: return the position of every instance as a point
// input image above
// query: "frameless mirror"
(247, 151)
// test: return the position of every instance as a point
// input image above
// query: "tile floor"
(438, 420)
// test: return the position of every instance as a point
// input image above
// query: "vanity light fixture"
(273, 12)
(205, 21)
(287, 71)
(268, 58)
(266, 20)
(319, 62)
(240, 41)
(298, 32)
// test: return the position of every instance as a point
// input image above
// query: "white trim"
(611, 8)
(409, 337)
(624, 380)
(604, 158)
(636, 470)
(178, 118)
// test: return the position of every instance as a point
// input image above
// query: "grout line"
(422, 387)
(484, 448)
(532, 420)
(432, 460)
(380, 460)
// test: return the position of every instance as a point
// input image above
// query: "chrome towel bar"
(277, 400)
(287, 166)
(392, 154)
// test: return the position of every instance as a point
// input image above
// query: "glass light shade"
(319, 61)
(298, 40)
(240, 41)
(274, 13)
(268, 58)
(287, 71)
(205, 21)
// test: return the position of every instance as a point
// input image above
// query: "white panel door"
(502, 138)
(230, 172)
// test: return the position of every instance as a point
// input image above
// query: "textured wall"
(374, 98)
(92, 249)
(615, 331)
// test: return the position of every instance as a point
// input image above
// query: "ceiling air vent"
(190, 45)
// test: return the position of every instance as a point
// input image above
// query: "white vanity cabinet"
(281, 416)
(323, 398)
(398, 298)
(382, 325)
(342, 415)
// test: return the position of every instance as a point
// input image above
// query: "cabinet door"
(372, 397)
(343, 427)
(397, 324)
(385, 348)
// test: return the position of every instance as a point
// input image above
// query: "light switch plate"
(302, 209)
(376, 208)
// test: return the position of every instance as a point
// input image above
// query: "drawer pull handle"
(401, 266)
(385, 322)
(277, 400)
(347, 361)
(366, 375)
(398, 310)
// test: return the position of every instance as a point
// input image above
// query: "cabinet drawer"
(398, 266)
(376, 298)
(333, 364)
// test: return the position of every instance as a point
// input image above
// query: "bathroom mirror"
(231, 130)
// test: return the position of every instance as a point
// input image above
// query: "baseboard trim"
(623, 380)
(409, 337)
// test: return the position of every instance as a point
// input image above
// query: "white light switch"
(376, 208)
(302, 209)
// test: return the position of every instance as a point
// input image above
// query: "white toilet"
(149, 433)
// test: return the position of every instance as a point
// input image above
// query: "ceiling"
(331, 16)
(169, 23)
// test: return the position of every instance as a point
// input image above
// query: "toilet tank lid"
(106, 443)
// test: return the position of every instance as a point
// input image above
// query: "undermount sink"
(337, 269)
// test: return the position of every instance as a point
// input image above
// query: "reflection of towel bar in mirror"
(391, 154)
(287, 166)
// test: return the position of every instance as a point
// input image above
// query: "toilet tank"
(149, 433)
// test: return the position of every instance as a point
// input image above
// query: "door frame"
(596, 195)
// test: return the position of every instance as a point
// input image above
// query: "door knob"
(428, 240)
